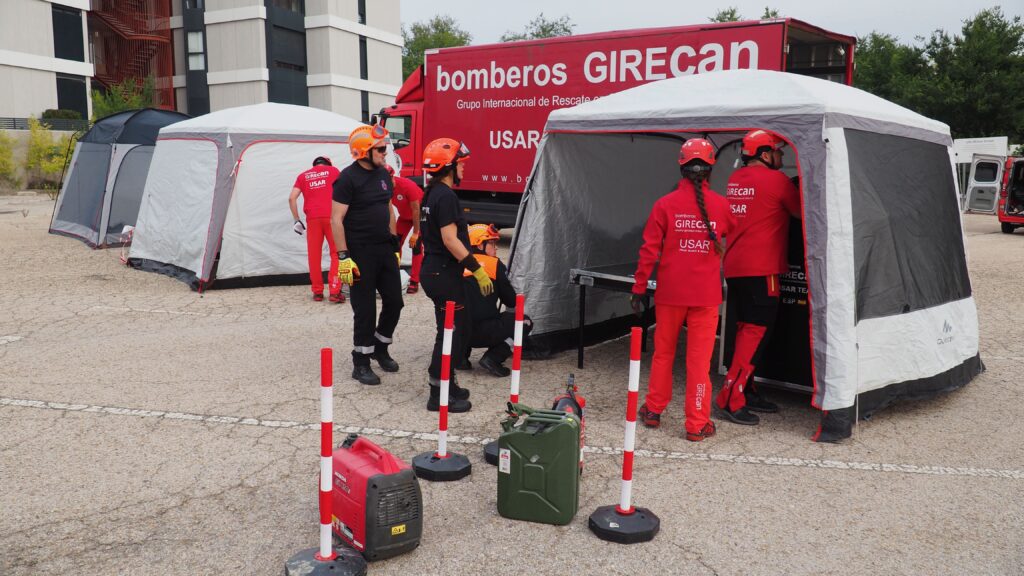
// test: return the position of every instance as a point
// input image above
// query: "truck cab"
(1011, 196)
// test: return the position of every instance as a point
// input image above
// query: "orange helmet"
(362, 139)
(480, 233)
(696, 149)
(443, 152)
(757, 139)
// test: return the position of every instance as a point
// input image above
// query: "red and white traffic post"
(443, 465)
(491, 448)
(623, 523)
(324, 560)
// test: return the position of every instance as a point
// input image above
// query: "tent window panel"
(128, 186)
(83, 199)
(908, 245)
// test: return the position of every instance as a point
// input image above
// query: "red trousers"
(700, 345)
(402, 227)
(318, 229)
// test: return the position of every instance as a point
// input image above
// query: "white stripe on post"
(446, 368)
(517, 350)
(326, 451)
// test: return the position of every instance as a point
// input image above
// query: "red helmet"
(443, 152)
(696, 149)
(757, 139)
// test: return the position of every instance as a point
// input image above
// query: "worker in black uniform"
(364, 233)
(446, 255)
(491, 329)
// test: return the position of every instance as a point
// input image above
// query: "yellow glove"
(398, 257)
(348, 272)
(486, 286)
(413, 238)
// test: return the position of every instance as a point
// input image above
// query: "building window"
(364, 68)
(71, 94)
(365, 98)
(362, 11)
(195, 5)
(68, 40)
(196, 51)
(290, 5)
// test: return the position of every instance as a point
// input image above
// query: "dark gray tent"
(891, 314)
(103, 188)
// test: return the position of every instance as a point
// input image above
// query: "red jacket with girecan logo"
(406, 191)
(677, 241)
(762, 200)
(316, 185)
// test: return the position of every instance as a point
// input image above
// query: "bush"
(8, 176)
(46, 159)
(61, 114)
(128, 95)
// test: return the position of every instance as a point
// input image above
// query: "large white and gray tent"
(216, 202)
(891, 310)
(107, 174)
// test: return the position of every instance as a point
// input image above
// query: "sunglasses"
(381, 149)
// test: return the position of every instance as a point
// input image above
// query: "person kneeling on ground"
(491, 329)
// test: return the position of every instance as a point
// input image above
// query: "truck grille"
(398, 504)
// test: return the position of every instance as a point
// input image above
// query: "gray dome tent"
(891, 312)
(103, 189)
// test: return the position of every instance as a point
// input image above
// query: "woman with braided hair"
(683, 238)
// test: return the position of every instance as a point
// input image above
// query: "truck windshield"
(398, 126)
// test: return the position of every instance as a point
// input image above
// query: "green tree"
(730, 14)
(769, 13)
(889, 69)
(8, 175)
(439, 32)
(130, 94)
(541, 27)
(45, 159)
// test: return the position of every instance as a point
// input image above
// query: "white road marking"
(8, 339)
(476, 441)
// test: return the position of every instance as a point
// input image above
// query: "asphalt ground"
(145, 429)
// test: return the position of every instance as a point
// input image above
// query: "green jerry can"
(538, 465)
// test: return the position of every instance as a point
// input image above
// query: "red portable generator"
(572, 403)
(378, 507)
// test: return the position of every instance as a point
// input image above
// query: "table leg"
(583, 317)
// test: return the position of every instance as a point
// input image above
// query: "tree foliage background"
(131, 94)
(541, 27)
(438, 32)
(973, 81)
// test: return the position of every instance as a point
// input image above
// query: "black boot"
(365, 375)
(493, 366)
(455, 405)
(755, 402)
(384, 360)
(454, 390)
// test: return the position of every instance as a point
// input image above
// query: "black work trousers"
(497, 333)
(441, 278)
(378, 273)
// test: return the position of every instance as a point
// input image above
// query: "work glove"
(486, 286)
(299, 227)
(413, 239)
(398, 258)
(637, 302)
(348, 272)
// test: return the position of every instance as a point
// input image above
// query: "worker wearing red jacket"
(407, 200)
(683, 238)
(315, 186)
(762, 199)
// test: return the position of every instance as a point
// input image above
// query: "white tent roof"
(268, 118)
(741, 93)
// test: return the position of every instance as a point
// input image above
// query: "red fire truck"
(497, 97)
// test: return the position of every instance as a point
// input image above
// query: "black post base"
(640, 526)
(347, 563)
(453, 467)
(491, 453)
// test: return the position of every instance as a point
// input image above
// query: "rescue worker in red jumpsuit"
(315, 186)
(407, 200)
(683, 238)
(762, 199)
(364, 233)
